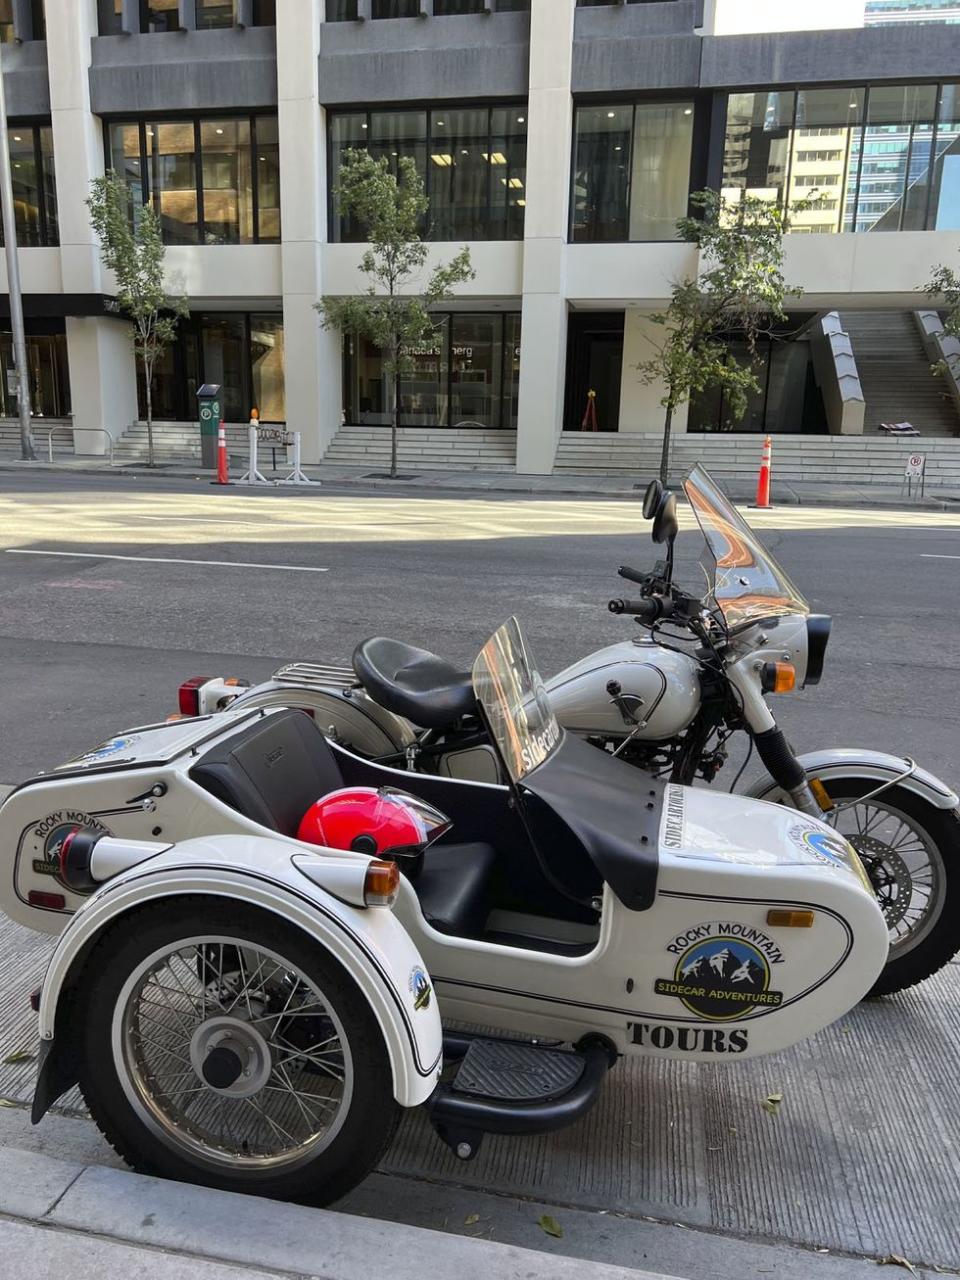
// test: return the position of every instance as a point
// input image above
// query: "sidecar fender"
(370, 943)
(845, 762)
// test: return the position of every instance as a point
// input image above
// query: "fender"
(370, 943)
(846, 762)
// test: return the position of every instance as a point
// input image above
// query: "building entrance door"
(594, 363)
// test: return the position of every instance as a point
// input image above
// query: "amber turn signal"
(821, 795)
(790, 919)
(778, 677)
(381, 884)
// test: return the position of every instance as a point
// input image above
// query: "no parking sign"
(915, 466)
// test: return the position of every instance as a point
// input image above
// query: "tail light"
(188, 695)
(76, 851)
(381, 884)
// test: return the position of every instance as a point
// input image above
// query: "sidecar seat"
(413, 682)
(272, 772)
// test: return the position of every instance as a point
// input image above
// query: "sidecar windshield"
(746, 581)
(509, 688)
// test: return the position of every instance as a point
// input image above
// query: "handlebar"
(632, 575)
(648, 610)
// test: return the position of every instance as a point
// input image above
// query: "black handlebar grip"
(646, 610)
(632, 575)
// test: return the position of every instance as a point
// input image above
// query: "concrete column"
(99, 352)
(544, 326)
(313, 355)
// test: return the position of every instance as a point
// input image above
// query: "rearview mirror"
(652, 499)
(665, 523)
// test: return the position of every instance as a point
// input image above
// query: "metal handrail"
(101, 430)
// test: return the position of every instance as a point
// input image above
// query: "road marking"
(220, 564)
(933, 555)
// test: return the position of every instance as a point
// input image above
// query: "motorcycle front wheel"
(223, 1047)
(911, 853)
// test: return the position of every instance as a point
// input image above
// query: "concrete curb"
(611, 487)
(113, 1207)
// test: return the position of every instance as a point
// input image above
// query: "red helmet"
(384, 823)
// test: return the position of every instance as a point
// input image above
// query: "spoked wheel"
(910, 851)
(225, 1048)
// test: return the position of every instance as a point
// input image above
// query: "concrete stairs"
(424, 449)
(895, 374)
(62, 440)
(180, 442)
(734, 458)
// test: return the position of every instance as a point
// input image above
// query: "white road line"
(933, 555)
(220, 564)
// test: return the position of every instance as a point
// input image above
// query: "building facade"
(559, 139)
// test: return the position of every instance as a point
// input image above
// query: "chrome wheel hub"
(231, 1057)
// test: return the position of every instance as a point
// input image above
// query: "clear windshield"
(509, 688)
(747, 583)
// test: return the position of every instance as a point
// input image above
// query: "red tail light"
(188, 695)
(48, 901)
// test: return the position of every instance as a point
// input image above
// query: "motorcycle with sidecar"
(247, 1010)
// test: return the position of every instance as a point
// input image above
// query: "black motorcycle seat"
(413, 682)
(273, 770)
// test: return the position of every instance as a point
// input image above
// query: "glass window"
(38, 20)
(264, 13)
(396, 8)
(341, 10)
(227, 182)
(48, 181)
(162, 15)
(507, 159)
(447, 8)
(347, 133)
(214, 13)
(110, 17)
(601, 167)
(475, 368)
(394, 134)
(26, 186)
(460, 174)
(423, 393)
(173, 180)
(224, 355)
(512, 6)
(46, 372)
(7, 35)
(945, 188)
(266, 367)
(124, 158)
(268, 178)
(757, 145)
(511, 371)
(660, 177)
(894, 172)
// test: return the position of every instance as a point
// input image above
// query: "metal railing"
(51, 432)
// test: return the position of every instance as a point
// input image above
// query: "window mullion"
(254, 179)
(198, 170)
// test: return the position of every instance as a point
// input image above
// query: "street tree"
(943, 290)
(740, 288)
(393, 312)
(131, 246)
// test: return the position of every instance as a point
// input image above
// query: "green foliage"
(943, 290)
(393, 312)
(131, 246)
(740, 287)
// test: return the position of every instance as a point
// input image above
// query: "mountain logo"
(721, 979)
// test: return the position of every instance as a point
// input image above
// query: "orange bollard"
(763, 480)
(223, 462)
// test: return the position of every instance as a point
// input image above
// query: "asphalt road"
(89, 646)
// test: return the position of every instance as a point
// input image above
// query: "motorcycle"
(247, 1010)
(669, 702)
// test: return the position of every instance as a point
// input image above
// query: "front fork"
(772, 746)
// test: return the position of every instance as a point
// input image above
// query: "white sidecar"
(205, 953)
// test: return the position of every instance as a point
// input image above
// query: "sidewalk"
(615, 486)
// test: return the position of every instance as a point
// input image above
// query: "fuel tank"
(663, 686)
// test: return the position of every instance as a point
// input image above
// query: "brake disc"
(889, 875)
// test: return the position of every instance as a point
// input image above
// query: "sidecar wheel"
(911, 853)
(266, 1073)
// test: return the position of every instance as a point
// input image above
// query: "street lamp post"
(27, 451)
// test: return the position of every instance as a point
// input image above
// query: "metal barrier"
(257, 435)
(51, 431)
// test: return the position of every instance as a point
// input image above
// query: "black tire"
(941, 942)
(372, 1114)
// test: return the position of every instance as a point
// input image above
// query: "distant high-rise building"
(888, 13)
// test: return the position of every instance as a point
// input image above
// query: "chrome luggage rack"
(316, 675)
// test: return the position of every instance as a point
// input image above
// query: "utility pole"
(27, 451)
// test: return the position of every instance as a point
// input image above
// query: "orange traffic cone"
(763, 480)
(223, 461)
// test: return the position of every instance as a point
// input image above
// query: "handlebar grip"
(648, 610)
(632, 575)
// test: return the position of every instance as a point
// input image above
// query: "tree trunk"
(665, 453)
(148, 384)
(395, 424)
